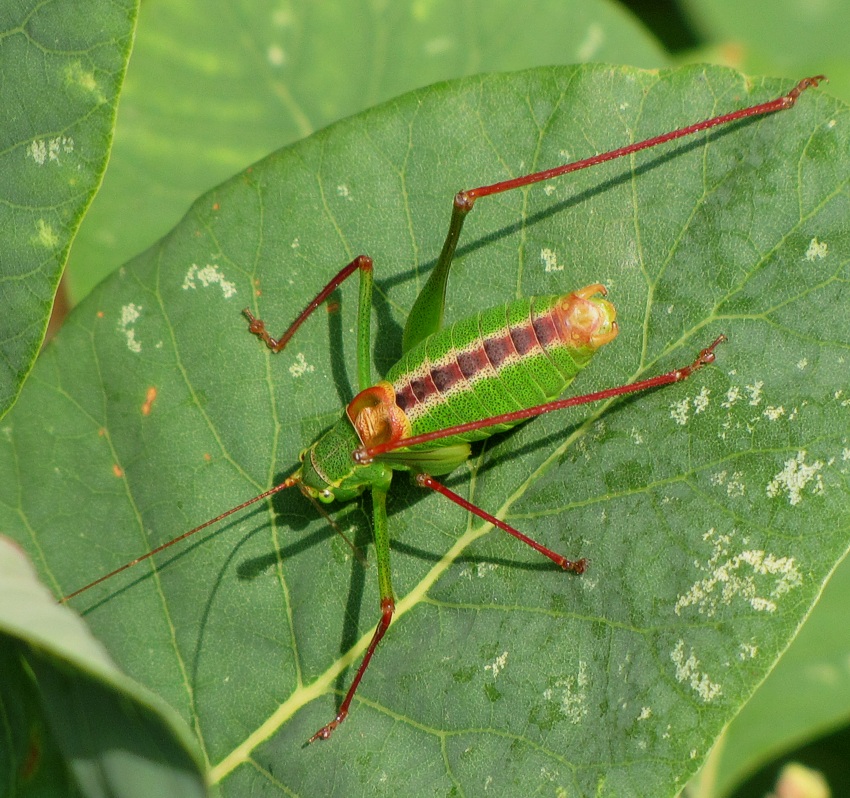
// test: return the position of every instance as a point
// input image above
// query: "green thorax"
(328, 471)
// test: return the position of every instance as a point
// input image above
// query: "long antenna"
(287, 483)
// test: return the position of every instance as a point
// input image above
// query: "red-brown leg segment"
(576, 566)
(468, 197)
(380, 529)
(387, 609)
(362, 263)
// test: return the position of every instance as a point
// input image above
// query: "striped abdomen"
(510, 357)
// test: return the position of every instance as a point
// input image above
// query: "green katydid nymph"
(459, 383)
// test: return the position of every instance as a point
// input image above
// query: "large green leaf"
(201, 102)
(712, 512)
(62, 65)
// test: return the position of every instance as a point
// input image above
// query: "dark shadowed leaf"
(75, 725)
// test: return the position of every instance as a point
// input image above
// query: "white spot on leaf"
(571, 694)
(755, 392)
(817, 250)
(46, 150)
(747, 651)
(688, 672)
(735, 486)
(78, 75)
(498, 665)
(208, 275)
(732, 396)
(300, 367)
(484, 568)
(549, 259)
(701, 400)
(795, 475)
(45, 235)
(130, 314)
(719, 478)
(679, 411)
(752, 576)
